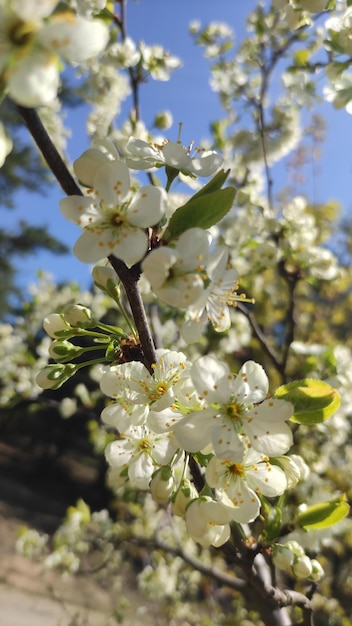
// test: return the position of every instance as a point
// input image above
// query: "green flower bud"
(105, 279)
(55, 375)
(64, 351)
(78, 315)
(163, 120)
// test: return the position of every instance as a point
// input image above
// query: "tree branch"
(49, 151)
(129, 277)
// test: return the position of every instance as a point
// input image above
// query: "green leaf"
(202, 211)
(314, 401)
(324, 514)
(301, 57)
(215, 183)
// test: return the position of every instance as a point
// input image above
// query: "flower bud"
(302, 567)
(163, 120)
(317, 571)
(78, 315)
(184, 495)
(105, 279)
(162, 484)
(64, 351)
(57, 327)
(282, 556)
(55, 375)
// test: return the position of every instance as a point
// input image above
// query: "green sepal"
(202, 459)
(314, 401)
(113, 350)
(324, 514)
(272, 524)
(206, 208)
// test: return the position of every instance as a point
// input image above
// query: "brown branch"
(129, 279)
(49, 151)
(259, 334)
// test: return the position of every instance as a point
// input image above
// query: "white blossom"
(143, 155)
(175, 274)
(233, 406)
(114, 220)
(240, 485)
(140, 452)
(32, 41)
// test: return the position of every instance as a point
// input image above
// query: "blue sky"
(190, 100)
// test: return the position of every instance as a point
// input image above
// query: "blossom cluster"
(181, 409)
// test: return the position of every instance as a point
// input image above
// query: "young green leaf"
(202, 211)
(314, 401)
(324, 514)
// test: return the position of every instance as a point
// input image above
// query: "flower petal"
(74, 37)
(112, 183)
(212, 379)
(34, 80)
(148, 207)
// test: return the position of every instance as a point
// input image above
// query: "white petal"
(90, 249)
(112, 183)
(246, 503)
(79, 209)
(212, 379)
(164, 421)
(86, 166)
(148, 207)
(192, 248)
(226, 442)
(207, 164)
(267, 479)
(163, 449)
(74, 37)
(131, 246)
(272, 410)
(140, 470)
(272, 439)
(33, 10)
(157, 265)
(193, 432)
(34, 80)
(251, 384)
(118, 453)
(176, 156)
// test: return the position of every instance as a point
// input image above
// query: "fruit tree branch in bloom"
(128, 277)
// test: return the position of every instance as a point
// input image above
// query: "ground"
(30, 596)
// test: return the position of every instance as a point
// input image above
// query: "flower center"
(117, 220)
(21, 33)
(234, 411)
(144, 445)
(236, 469)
